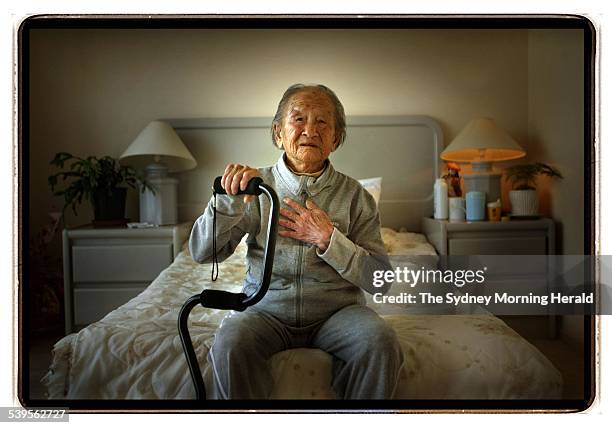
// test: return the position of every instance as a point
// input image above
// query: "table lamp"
(159, 150)
(481, 143)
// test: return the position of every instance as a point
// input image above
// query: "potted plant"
(523, 196)
(102, 181)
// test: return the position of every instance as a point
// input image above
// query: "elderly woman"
(328, 246)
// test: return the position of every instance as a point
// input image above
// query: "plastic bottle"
(440, 199)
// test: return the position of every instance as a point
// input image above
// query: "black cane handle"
(252, 187)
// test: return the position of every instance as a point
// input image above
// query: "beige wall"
(556, 127)
(94, 90)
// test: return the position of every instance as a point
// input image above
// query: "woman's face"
(307, 131)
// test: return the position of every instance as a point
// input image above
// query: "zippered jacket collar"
(299, 184)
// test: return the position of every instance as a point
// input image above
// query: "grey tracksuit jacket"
(307, 285)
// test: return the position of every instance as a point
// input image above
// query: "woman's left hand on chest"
(308, 223)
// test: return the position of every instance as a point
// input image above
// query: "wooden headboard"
(403, 150)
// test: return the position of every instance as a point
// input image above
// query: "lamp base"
(159, 208)
(489, 183)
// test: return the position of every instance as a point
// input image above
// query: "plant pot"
(524, 202)
(109, 206)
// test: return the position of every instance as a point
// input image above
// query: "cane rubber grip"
(252, 187)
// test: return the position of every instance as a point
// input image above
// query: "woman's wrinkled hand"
(308, 224)
(236, 177)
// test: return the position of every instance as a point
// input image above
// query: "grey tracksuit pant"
(315, 298)
(366, 354)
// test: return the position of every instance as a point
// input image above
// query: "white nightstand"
(530, 237)
(516, 237)
(106, 267)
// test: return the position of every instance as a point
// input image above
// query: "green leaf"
(86, 176)
(524, 176)
(60, 158)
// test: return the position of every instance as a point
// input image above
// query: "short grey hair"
(340, 119)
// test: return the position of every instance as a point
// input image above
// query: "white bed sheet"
(135, 353)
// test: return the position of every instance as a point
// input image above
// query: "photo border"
(271, 21)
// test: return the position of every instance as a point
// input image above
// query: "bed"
(134, 352)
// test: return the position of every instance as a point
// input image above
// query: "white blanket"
(135, 353)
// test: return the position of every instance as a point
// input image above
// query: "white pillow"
(373, 186)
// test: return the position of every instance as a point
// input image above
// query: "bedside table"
(106, 267)
(530, 237)
(516, 237)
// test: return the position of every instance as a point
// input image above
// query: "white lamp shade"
(158, 142)
(483, 140)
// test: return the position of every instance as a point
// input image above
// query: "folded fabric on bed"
(135, 353)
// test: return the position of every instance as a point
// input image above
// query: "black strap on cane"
(215, 267)
(251, 189)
